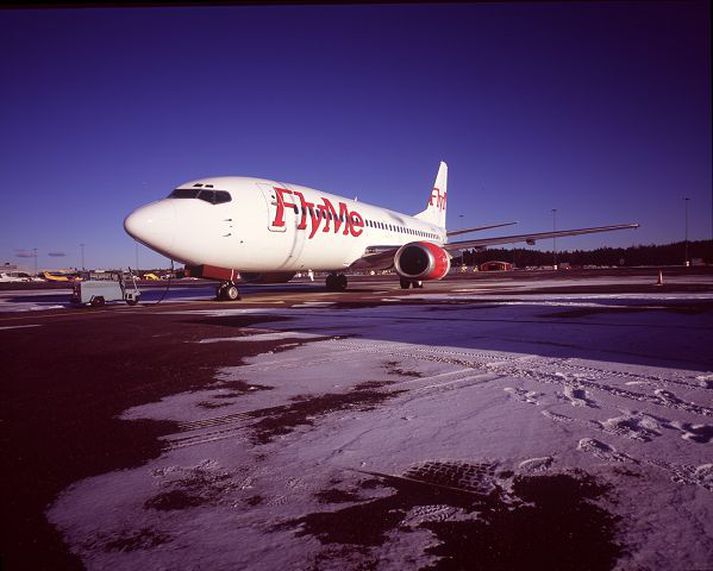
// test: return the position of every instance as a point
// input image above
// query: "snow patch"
(415, 415)
(258, 337)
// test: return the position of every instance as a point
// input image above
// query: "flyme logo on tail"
(352, 220)
(437, 199)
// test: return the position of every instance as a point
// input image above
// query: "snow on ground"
(556, 430)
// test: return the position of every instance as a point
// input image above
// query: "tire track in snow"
(579, 376)
(475, 367)
(235, 423)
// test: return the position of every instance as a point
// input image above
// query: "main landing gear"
(416, 284)
(227, 291)
(336, 282)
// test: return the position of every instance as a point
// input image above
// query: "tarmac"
(70, 372)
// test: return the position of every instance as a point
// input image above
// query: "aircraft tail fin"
(435, 212)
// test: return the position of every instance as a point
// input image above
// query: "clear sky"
(601, 110)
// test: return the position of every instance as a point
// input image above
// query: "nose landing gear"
(227, 291)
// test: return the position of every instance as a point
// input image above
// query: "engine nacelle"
(422, 261)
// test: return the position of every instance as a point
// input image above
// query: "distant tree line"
(651, 255)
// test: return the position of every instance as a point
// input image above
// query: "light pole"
(685, 216)
(82, 247)
(34, 255)
(554, 238)
(137, 256)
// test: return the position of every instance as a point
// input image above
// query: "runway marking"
(19, 326)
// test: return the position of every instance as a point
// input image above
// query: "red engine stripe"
(442, 262)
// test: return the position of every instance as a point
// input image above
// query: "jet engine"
(422, 261)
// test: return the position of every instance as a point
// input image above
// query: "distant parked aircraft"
(17, 276)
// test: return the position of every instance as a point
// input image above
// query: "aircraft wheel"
(331, 282)
(227, 292)
(341, 282)
(231, 293)
(404, 283)
(418, 284)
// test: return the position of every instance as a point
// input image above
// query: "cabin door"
(283, 223)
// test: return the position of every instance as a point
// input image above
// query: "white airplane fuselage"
(225, 228)
(269, 226)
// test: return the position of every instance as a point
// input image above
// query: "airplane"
(265, 231)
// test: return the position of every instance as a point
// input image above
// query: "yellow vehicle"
(151, 276)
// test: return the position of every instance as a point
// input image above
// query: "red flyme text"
(324, 215)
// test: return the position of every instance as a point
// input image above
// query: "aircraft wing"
(532, 238)
(376, 257)
(478, 228)
(382, 256)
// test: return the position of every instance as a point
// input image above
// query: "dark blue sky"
(601, 110)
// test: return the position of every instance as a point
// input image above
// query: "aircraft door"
(282, 220)
(275, 219)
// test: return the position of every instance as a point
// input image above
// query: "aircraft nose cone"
(154, 225)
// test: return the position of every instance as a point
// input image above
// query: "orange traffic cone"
(659, 281)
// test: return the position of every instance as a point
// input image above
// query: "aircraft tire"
(418, 284)
(341, 282)
(231, 293)
(405, 284)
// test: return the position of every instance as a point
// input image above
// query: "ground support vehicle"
(102, 287)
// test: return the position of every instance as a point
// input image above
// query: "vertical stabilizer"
(435, 212)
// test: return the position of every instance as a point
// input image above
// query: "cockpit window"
(212, 196)
(184, 193)
(220, 196)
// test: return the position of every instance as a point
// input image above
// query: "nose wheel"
(336, 282)
(227, 291)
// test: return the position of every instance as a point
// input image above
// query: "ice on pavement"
(485, 397)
